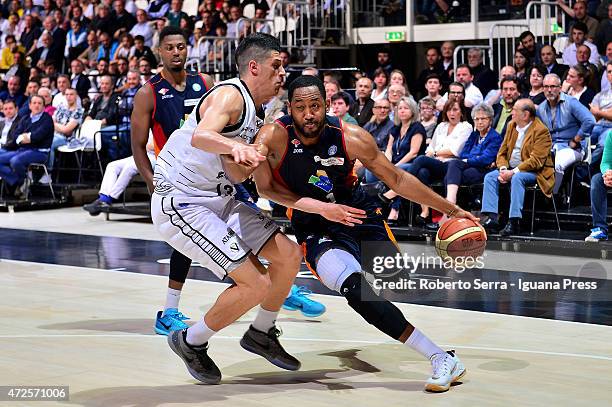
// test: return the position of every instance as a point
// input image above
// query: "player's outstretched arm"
(221, 108)
(360, 145)
(271, 142)
(140, 125)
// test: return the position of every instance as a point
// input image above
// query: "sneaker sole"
(306, 314)
(193, 373)
(274, 361)
(436, 388)
(160, 331)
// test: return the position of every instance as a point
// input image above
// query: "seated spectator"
(31, 90)
(158, 9)
(63, 83)
(406, 142)
(533, 48)
(583, 54)
(536, 85)
(175, 13)
(447, 49)
(235, 14)
(483, 77)
(124, 49)
(456, 92)
(8, 124)
(502, 111)
(66, 120)
(117, 177)
(76, 43)
(104, 108)
(549, 60)
(144, 68)
(433, 87)
(381, 82)
(569, 123)
(604, 32)
(473, 96)
(18, 69)
(447, 143)
(340, 105)
(7, 55)
(397, 77)
(433, 59)
(395, 93)
(143, 28)
(48, 98)
(361, 109)
(380, 124)
(331, 88)
(601, 183)
(79, 81)
(31, 33)
(122, 21)
(12, 92)
(262, 26)
(575, 85)
(49, 51)
(427, 112)
(92, 51)
(107, 47)
(523, 159)
(578, 35)
(601, 108)
(604, 83)
(578, 14)
(521, 66)
(495, 95)
(34, 137)
(476, 158)
(122, 68)
(141, 50)
(220, 52)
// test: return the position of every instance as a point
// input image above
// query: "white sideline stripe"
(140, 336)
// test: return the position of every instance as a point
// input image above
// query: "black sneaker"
(196, 358)
(96, 207)
(268, 346)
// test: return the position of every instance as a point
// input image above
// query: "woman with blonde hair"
(406, 142)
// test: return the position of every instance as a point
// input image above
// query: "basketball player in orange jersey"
(161, 106)
(312, 155)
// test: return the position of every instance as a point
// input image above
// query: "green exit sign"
(393, 36)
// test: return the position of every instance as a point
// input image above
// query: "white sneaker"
(447, 369)
(264, 205)
(45, 180)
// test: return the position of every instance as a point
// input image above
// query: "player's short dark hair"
(171, 30)
(306, 81)
(256, 46)
(341, 95)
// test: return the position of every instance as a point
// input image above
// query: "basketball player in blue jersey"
(194, 209)
(313, 155)
(161, 106)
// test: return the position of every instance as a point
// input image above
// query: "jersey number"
(227, 190)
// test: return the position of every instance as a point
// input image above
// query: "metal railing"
(503, 40)
(292, 25)
(461, 51)
(546, 20)
(219, 56)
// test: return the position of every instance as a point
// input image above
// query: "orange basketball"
(460, 237)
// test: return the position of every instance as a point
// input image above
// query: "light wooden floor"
(92, 330)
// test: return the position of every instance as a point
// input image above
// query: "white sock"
(172, 299)
(422, 344)
(265, 319)
(199, 333)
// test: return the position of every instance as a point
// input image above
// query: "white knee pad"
(334, 266)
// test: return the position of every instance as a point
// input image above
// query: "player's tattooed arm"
(361, 145)
(221, 108)
(271, 141)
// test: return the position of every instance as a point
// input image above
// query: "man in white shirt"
(473, 96)
(579, 31)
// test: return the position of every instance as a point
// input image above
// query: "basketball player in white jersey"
(193, 208)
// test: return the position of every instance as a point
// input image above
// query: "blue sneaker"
(597, 235)
(172, 321)
(299, 300)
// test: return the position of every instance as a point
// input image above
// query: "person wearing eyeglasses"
(569, 122)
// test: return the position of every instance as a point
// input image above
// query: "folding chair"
(91, 142)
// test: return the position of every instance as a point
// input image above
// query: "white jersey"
(182, 169)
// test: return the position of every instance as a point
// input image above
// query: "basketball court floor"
(80, 295)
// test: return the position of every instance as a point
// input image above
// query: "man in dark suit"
(361, 109)
(484, 78)
(548, 54)
(34, 137)
(79, 81)
(8, 126)
(49, 51)
(58, 34)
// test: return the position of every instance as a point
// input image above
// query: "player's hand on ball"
(343, 214)
(247, 154)
(460, 213)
